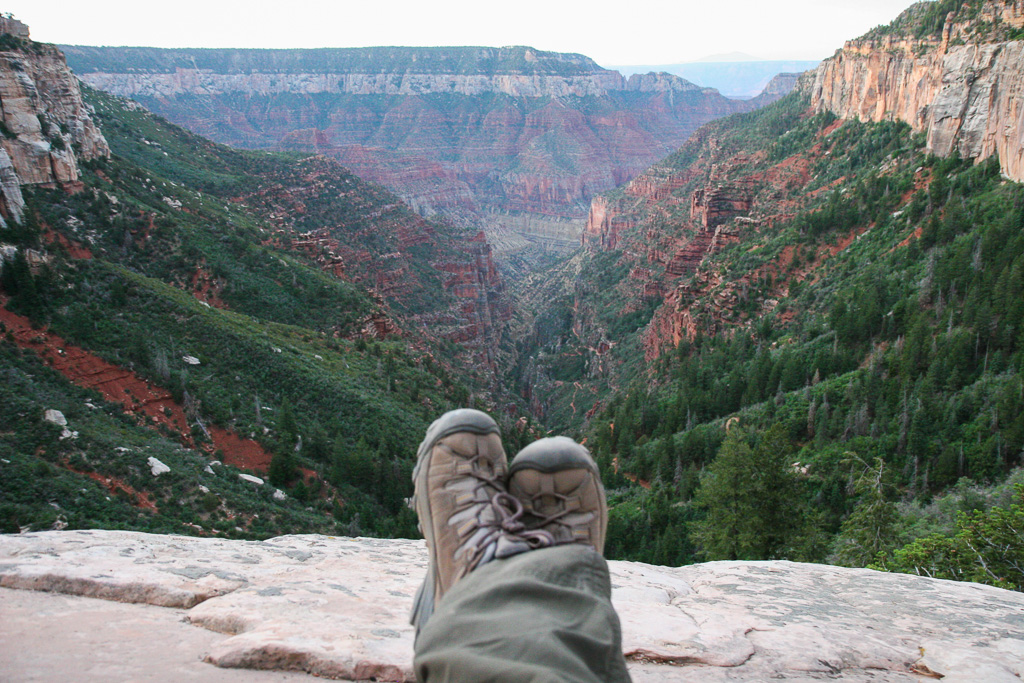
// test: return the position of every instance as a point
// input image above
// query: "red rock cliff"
(504, 141)
(964, 91)
(47, 127)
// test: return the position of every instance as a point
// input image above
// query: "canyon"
(49, 130)
(513, 140)
(734, 283)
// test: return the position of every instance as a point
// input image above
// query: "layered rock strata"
(671, 218)
(377, 248)
(337, 608)
(467, 132)
(513, 71)
(964, 92)
(47, 128)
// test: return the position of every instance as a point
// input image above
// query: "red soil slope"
(153, 404)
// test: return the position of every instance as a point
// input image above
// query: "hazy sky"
(628, 32)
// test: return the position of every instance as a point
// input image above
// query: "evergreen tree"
(283, 468)
(751, 497)
(871, 528)
(287, 426)
(18, 281)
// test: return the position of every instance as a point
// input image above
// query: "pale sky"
(630, 32)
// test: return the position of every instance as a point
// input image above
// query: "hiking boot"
(465, 513)
(557, 481)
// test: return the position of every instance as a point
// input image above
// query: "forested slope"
(853, 316)
(274, 299)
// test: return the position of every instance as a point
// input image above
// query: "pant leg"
(544, 616)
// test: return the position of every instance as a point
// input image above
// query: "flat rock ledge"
(337, 608)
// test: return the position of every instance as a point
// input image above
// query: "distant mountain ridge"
(742, 79)
(518, 71)
(460, 60)
(514, 140)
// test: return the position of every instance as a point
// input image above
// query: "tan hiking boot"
(466, 515)
(557, 481)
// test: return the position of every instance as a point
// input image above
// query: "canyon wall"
(471, 133)
(513, 71)
(963, 86)
(964, 91)
(206, 82)
(47, 128)
(382, 247)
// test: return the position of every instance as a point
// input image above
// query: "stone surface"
(12, 203)
(55, 417)
(108, 642)
(966, 97)
(41, 99)
(337, 607)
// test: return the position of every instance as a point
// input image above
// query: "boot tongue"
(508, 545)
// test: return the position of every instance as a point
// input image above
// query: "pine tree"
(287, 427)
(871, 528)
(752, 499)
(283, 468)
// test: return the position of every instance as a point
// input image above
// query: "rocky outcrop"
(380, 246)
(611, 217)
(605, 225)
(11, 26)
(47, 128)
(337, 608)
(12, 204)
(670, 219)
(778, 87)
(712, 206)
(964, 92)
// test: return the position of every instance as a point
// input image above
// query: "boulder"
(157, 467)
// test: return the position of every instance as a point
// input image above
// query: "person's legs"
(544, 616)
(504, 601)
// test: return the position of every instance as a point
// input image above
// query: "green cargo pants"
(544, 616)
